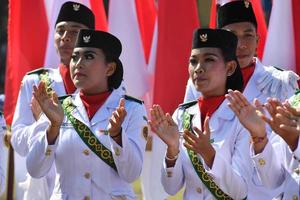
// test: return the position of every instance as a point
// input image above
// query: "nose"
(241, 43)
(199, 69)
(79, 64)
(66, 37)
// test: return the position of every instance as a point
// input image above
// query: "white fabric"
(72, 164)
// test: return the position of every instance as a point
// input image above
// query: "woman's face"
(209, 72)
(89, 70)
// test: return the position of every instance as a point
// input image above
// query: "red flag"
(213, 14)
(296, 20)
(27, 38)
(146, 14)
(261, 26)
(176, 22)
(100, 16)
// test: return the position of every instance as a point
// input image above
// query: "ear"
(230, 67)
(111, 68)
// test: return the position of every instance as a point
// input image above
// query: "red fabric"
(100, 15)
(146, 14)
(175, 28)
(208, 106)
(93, 102)
(247, 72)
(296, 22)
(66, 76)
(261, 26)
(27, 39)
(213, 14)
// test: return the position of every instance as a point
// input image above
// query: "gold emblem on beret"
(247, 3)
(86, 39)
(203, 37)
(76, 7)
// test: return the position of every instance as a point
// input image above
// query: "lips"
(79, 74)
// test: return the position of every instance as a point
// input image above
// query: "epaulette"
(187, 104)
(62, 98)
(130, 98)
(278, 68)
(38, 71)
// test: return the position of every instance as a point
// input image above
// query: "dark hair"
(114, 81)
(235, 81)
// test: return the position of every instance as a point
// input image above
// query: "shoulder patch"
(187, 104)
(62, 98)
(38, 71)
(295, 100)
(130, 98)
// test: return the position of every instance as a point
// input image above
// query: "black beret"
(217, 38)
(109, 44)
(235, 12)
(76, 12)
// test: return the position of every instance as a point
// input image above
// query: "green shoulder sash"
(88, 136)
(206, 179)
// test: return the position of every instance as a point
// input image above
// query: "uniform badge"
(246, 4)
(86, 39)
(145, 132)
(76, 7)
(203, 37)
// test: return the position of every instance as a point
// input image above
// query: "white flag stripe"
(123, 23)
(279, 48)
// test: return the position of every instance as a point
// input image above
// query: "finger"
(170, 120)
(242, 99)
(294, 111)
(271, 110)
(122, 103)
(289, 129)
(189, 146)
(161, 112)
(116, 117)
(280, 119)
(234, 105)
(55, 98)
(265, 118)
(234, 109)
(206, 127)
(112, 123)
(190, 135)
(156, 112)
(285, 113)
(235, 100)
(258, 105)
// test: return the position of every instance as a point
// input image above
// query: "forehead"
(70, 25)
(206, 51)
(240, 27)
(82, 50)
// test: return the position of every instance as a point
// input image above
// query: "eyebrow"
(89, 51)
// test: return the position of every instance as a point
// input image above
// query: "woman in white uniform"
(95, 137)
(209, 160)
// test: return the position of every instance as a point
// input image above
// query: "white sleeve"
(129, 157)
(41, 155)
(23, 120)
(268, 165)
(231, 176)
(172, 178)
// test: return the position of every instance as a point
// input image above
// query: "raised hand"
(116, 120)
(35, 109)
(49, 104)
(284, 121)
(164, 126)
(247, 113)
(200, 143)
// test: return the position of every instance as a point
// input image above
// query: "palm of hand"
(167, 132)
(249, 118)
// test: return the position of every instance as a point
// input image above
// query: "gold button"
(261, 162)
(169, 174)
(87, 198)
(199, 190)
(117, 151)
(297, 170)
(295, 197)
(87, 175)
(86, 152)
(48, 152)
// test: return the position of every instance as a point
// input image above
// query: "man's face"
(65, 38)
(247, 41)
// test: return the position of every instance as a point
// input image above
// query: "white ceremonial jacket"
(80, 173)
(231, 142)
